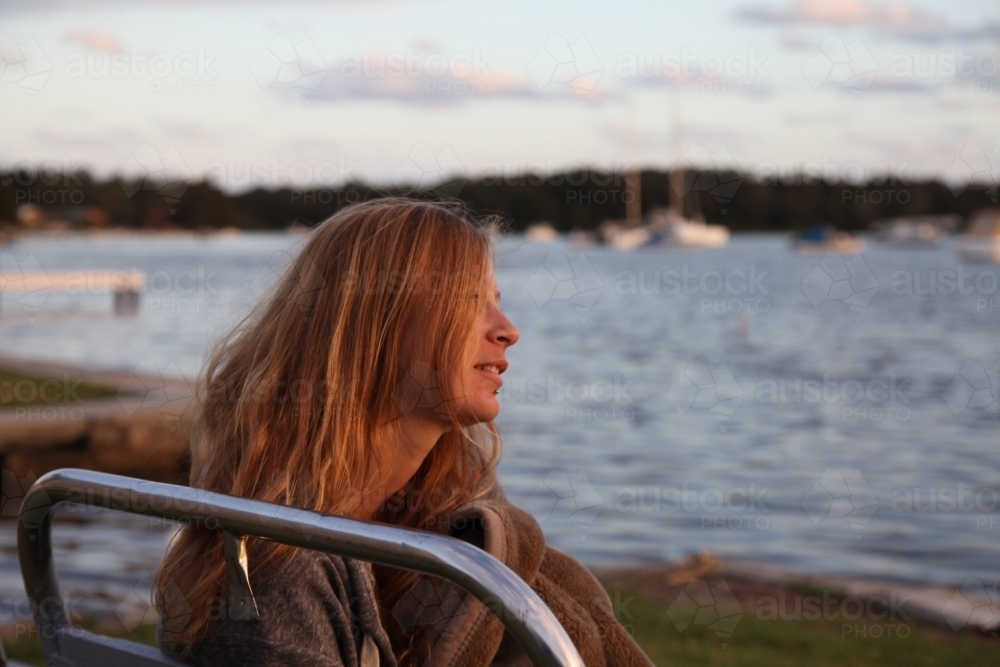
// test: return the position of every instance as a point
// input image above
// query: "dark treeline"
(573, 200)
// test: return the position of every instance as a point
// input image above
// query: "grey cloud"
(897, 20)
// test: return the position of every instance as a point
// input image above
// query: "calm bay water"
(832, 415)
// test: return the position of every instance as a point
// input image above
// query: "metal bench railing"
(524, 614)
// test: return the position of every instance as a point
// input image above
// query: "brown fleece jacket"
(468, 634)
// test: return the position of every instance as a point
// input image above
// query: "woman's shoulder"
(503, 530)
(314, 574)
(313, 609)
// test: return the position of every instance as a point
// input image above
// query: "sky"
(412, 92)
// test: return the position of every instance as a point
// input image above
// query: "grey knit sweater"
(318, 610)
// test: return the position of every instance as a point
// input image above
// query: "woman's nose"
(504, 330)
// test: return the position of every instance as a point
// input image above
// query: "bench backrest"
(524, 614)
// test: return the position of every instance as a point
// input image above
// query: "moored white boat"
(982, 242)
(673, 229)
(918, 231)
(623, 237)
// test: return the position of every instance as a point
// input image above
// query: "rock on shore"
(141, 432)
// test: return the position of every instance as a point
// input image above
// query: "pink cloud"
(99, 41)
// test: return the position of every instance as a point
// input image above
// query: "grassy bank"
(704, 618)
(21, 642)
(17, 390)
(677, 636)
(757, 642)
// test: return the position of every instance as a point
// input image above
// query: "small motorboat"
(981, 243)
(827, 239)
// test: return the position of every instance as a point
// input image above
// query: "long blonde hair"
(298, 401)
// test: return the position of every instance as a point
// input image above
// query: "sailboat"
(676, 230)
(624, 237)
(668, 227)
(672, 227)
(630, 233)
(664, 227)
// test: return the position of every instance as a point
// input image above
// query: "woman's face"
(493, 334)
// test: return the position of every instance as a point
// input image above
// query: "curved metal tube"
(524, 614)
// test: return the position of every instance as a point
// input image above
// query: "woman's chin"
(483, 410)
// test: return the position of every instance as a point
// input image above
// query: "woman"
(365, 386)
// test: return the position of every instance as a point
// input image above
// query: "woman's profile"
(366, 385)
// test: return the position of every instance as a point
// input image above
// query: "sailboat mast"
(676, 177)
(633, 184)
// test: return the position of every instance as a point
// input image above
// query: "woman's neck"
(412, 438)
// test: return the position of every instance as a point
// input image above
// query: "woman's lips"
(491, 371)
